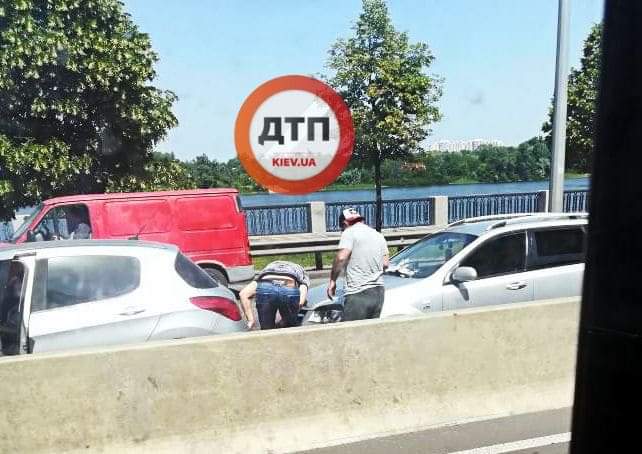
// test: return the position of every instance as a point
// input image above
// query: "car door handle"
(131, 311)
(516, 285)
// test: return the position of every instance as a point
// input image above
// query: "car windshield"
(425, 257)
(25, 224)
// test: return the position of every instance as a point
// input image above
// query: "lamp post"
(556, 183)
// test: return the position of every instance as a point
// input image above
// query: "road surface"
(536, 433)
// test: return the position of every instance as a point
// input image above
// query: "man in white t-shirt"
(363, 253)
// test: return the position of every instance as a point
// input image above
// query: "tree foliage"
(382, 77)
(28, 173)
(529, 161)
(581, 106)
(163, 172)
(209, 173)
(75, 94)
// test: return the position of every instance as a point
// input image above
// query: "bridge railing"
(301, 218)
(488, 204)
(396, 213)
(6, 231)
(576, 201)
(278, 219)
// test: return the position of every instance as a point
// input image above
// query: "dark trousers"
(272, 297)
(363, 305)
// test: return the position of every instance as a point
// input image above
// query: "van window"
(558, 247)
(81, 279)
(503, 255)
(193, 274)
(205, 213)
(132, 217)
(26, 223)
(67, 222)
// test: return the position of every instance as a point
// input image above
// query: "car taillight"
(223, 306)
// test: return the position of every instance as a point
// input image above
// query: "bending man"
(281, 286)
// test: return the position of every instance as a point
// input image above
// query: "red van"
(208, 225)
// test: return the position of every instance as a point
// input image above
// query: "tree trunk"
(379, 201)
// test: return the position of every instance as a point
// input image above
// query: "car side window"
(502, 255)
(193, 274)
(557, 247)
(81, 279)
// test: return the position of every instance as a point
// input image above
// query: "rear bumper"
(238, 274)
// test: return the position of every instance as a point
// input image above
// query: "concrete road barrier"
(295, 389)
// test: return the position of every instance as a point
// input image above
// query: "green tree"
(209, 174)
(28, 173)
(382, 77)
(581, 106)
(75, 99)
(162, 172)
(206, 173)
(532, 160)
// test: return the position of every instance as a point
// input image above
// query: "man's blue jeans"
(271, 297)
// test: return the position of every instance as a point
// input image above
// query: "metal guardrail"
(278, 219)
(489, 204)
(396, 213)
(576, 201)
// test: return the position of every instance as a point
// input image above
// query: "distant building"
(413, 166)
(451, 146)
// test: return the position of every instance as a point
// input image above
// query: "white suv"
(483, 261)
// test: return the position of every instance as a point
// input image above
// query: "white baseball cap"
(350, 215)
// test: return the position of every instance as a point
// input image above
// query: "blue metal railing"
(6, 231)
(489, 204)
(575, 201)
(285, 219)
(278, 219)
(396, 213)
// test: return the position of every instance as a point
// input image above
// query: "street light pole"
(556, 183)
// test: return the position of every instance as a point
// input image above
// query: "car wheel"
(217, 275)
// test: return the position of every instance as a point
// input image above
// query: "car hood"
(317, 296)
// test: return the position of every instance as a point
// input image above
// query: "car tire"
(217, 275)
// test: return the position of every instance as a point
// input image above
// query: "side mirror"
(464, 274)
(30, 236)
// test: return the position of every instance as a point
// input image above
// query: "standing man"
(281, 286)
(363, 253)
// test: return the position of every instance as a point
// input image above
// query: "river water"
(418, 192)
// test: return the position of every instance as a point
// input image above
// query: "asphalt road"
(535, 433)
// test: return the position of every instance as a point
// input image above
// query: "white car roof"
(503, 223)
(83, 245)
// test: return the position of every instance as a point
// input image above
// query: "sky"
(497, 58)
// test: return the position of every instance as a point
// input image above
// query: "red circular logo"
(294, 135)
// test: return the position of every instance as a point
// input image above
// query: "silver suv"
(483, 261)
